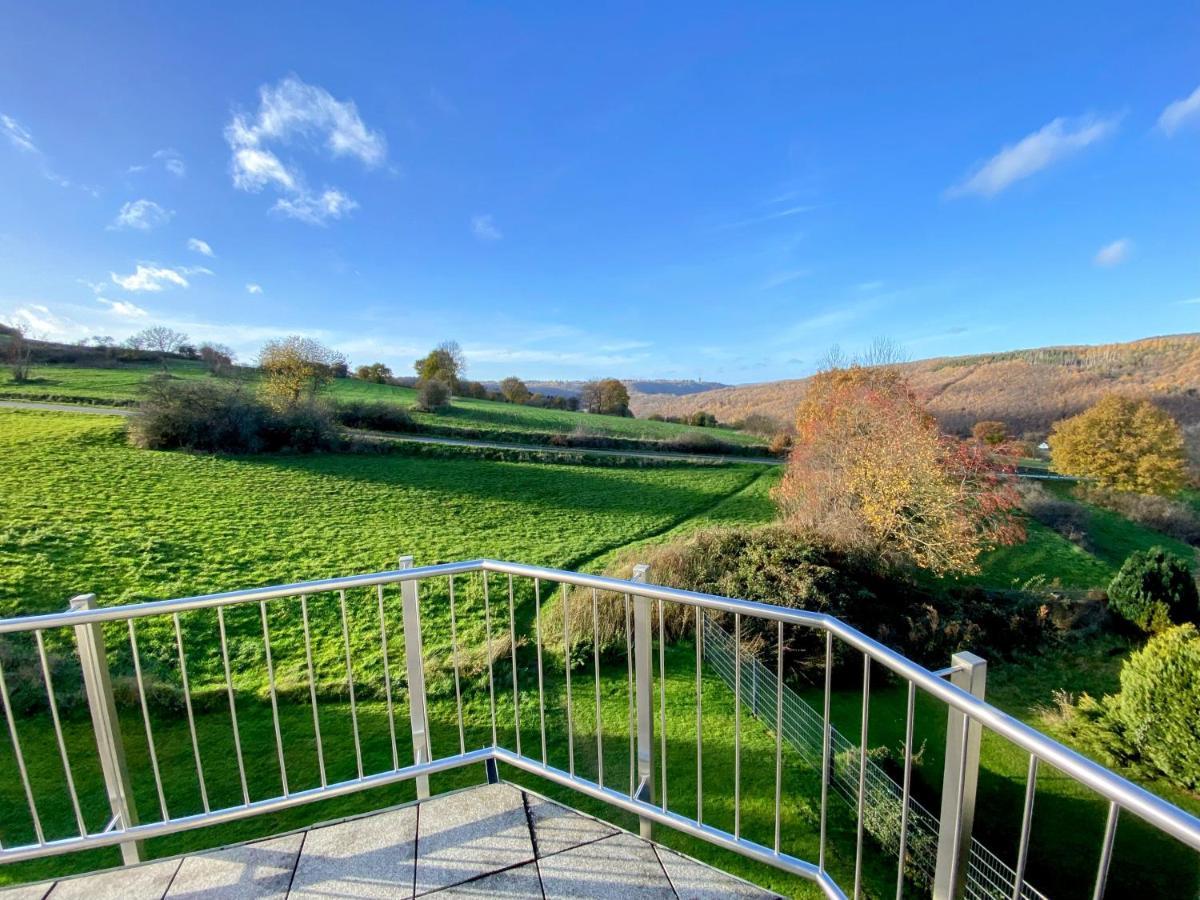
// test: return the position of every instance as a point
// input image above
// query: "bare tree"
(18, 350)
(161, 340)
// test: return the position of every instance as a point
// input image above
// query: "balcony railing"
(948, 854)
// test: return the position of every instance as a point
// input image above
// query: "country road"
(696, 458)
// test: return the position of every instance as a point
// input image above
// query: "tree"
(376, 372)
(1128, 445)
(608, 396)
(702, 419)
(445, 362)
(433, 394)
(1154, 590)
(871, 472)
(217, 358)
(18, 351)
(159, 339)
(514, 390)
(295, 369)
(989, 432)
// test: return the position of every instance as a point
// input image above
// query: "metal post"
(413, 658)
(959, 781)
(98, 685)
(643, 668)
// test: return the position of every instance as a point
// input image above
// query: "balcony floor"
(488, 841)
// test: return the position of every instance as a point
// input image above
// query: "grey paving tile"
(618, 867)
(145, 882)
(262, 870)
(367, 857)
(558, 828)
(695, 881)
(27, 891)
(472, 833)
(522, 881)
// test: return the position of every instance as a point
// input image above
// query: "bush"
(1153, 724)
(432, 394)
(1069, 519)
(1154, 590)
(376, 416)
(213, 418)
(1172, 517)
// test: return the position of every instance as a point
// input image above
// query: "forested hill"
(1026, 389)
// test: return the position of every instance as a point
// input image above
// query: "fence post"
(643, 675)
(959, 782)
(97, 684)
(414, 661)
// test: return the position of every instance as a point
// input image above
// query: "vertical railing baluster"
(283, 779)
(312, 690)
(566, 605)
(16, 742)
(699, 716)
(387, 679)
(662, 700)
(778, 733)
(58, 732)
(737, 725)
(414, 662)
(537, 612)
(187, 702)
(826, 748)
(596, 684)
(643, 683)
(1026, 827)
(860, 827)
(1106, 850)
(462, 735)
(233, 719)
(630, 704)
(487, 624)
(906, 791)
(141, 686)
(350, 684)
(512, 641)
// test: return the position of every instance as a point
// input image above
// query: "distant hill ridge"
(650, 386)
(1027, 389)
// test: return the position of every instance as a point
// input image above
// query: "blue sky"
(653, 190)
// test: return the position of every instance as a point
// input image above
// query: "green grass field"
(503, 420)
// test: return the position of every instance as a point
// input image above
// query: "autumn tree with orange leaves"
(871, 472)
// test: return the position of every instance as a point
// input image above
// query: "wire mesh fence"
(988, 876)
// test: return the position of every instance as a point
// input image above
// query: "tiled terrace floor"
(491, 841)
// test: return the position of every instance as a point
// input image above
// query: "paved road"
(696, 458)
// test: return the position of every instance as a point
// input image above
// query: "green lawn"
(499, 420)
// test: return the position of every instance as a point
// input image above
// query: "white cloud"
(123, 308)
(172, 162)
(1179, 112)
(292, 111)
(1034, 152)
(484, 227)
(1113, 254)
(332, 204)
(42, 322)
(781, 278)
(252, 288)
(149, 278)
(142, 215)
(199, 246)
(18, 136)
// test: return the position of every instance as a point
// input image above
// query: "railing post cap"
(639, 572)
(83, 601)
(406, 561)
(967, 659)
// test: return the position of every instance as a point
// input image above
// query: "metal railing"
(85, 628)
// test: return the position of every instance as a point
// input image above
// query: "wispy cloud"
(21, 138)
(150, 278)
(123, 308)
(172, 161)
(1180, 112)
(252, 288)
(1191, 301)
(785, 213)
(483, 226)
(198, 246)
(781, 278)
(1113, 254)
(287, 112)
(141, 215)
(1053, 142)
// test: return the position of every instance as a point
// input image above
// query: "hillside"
(670, 387)
(1027, 389)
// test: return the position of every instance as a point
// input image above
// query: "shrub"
(1154, 590)
(990, 432)
(1069, 519)
(213, 418)
(1153, 724)
(433, 394)
(377, 416)
(1173, 517)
